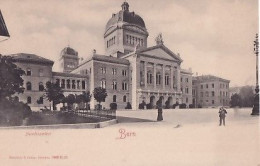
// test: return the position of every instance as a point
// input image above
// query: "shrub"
(191, 106)
(182, 106)
(128, 106)
(13, 112)
(141, 106)
(113, 106)
(167, 104)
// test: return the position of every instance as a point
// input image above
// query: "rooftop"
(25, 57)
(124, 16)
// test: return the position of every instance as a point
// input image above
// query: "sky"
(212, 36)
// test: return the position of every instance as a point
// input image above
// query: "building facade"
(210, 91)
(129, 70)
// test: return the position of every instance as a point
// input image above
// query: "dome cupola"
(124, 31)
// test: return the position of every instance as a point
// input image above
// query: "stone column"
(178, 76)
(163, 76)
(154, 75)
(171, 77)
(145, 75)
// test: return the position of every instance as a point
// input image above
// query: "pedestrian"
(159, 106)
(222, 115)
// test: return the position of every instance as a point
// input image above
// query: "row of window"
(134, 40)
(111, 41)
(157, 79)
(114, 71)
(71, 84)
(207, 94)
(213, 85)
(29, 86)
(213, 94)
(39, 101)
(68, 85)
(115, 97)
(29, 72)
(213, 101)
(114, 85)
(186, 90)
(186, 79)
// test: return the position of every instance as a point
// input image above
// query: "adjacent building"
(210, 91)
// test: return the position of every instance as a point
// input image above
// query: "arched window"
(63, 83)
(68, 84)
(29, 86)
(124, 98)
(29, 100)
(114, 98)
(41, 87)
(28, 72)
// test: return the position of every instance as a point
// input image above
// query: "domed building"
(130, 71)
(124, 31)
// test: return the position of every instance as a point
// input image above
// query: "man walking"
(222, 115)
(159, 106)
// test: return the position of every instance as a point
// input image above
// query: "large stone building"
(210, 91)
(129, 70)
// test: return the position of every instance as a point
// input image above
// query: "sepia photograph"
(127, 82)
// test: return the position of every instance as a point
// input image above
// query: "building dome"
(124, 17)
(69, 51)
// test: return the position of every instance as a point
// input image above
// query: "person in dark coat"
(159, 106)
(222, 115)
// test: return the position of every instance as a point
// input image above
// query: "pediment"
(161, 52)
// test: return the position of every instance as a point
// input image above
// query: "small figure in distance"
(222, 115)
(159, 106)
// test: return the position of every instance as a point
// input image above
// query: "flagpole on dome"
(3, 28)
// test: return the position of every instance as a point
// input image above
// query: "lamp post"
(255, 110)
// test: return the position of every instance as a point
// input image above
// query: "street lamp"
(255, 110)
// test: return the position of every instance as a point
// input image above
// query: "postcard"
(126, 82)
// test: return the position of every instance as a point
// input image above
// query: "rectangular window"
(83, 85)
(207, 86)
(167, 80)
(149, 78)
(187, 90)
(187, 80)
(28, 72)
(114, 85)
(113, 71)
(201, 94)
(213, 102)
(124, 86)
(124, 72)
(103, 70)
(212, 85)
(212, 93)
(201, 86)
